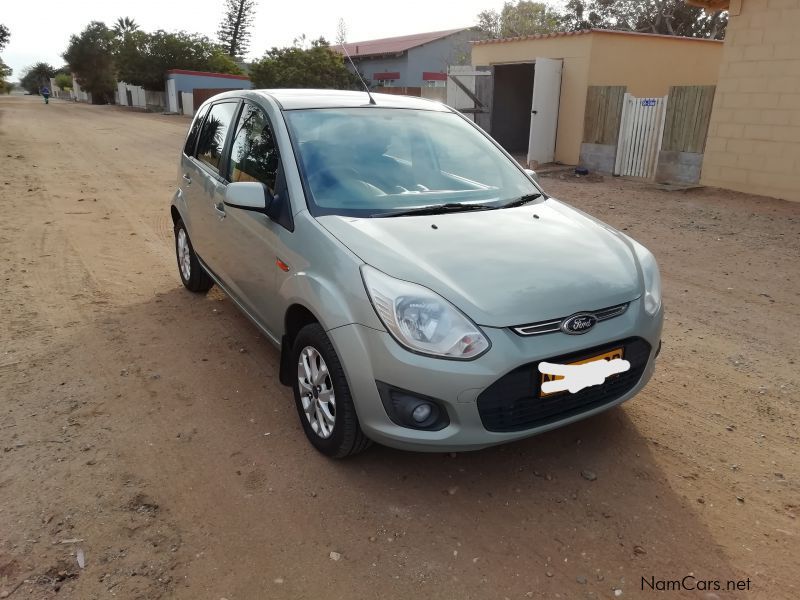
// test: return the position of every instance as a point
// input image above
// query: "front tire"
(193, 275)
(322, 396)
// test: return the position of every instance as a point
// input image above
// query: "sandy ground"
(144, 428)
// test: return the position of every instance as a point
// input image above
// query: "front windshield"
(376, 161)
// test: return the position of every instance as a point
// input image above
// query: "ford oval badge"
(578, 324)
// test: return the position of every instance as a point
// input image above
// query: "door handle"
(187, 179)
(219, 208)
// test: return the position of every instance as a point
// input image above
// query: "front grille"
(554, 325)
(512, 403)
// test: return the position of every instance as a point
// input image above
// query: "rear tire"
(193, 275)
(322, 396)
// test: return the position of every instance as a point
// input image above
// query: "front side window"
(254, 152)
(211, 141)
(375, 161)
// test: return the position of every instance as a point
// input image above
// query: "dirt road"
(144, 428)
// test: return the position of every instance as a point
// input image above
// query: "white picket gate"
(640, 132)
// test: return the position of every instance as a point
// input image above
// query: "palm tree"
(124, 26)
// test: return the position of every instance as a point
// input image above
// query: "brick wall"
(754, 135)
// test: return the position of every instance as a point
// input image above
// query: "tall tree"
(124, 26)
(5, 34)
(341, 32)
(35, 77)
(666, 17)
(127, 47)
(89, 57)
(489, 23)
(234, 30)
(519, 18)
(5, 70)
(316, 66)
(143, 58)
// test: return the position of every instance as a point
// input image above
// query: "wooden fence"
(688, 114)
(669, 145)
(603, 112)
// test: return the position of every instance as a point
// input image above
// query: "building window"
(433, 79)
(386, 78)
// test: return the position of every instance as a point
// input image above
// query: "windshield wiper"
(435, 209)
(522, 200)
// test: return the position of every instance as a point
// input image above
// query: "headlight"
(652, 279)
(421, 320)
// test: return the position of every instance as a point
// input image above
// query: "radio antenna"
(358, 74)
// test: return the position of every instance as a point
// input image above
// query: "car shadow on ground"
(590, 500)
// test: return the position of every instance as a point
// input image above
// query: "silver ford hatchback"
(424, 291)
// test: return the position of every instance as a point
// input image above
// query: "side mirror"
(248, 195)
(532, 174)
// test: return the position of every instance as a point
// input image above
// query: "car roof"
(294, 99)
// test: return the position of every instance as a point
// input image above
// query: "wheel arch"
(297, 316)
(311, 298)
(175, 214)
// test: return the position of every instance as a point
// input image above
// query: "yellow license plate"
(610, 355)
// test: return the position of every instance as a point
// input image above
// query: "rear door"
(207, 185)
(253, 240)
(189, 170)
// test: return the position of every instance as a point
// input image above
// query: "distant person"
(45, 93)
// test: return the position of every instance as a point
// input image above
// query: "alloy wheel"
(184, 254)
(316, 392)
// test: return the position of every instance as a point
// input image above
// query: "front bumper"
(369, 355)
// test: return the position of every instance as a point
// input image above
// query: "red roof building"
(417, 60)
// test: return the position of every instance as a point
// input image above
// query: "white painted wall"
(80, 95)
(137, 95)
(187, 99)
(172, 96)
(57, 92)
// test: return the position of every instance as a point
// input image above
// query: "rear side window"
(254, 153)
(211, 140)
(191, 141)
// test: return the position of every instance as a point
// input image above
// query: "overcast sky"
(40, 29)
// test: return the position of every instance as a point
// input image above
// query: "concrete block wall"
(598, 157)
(754, 135)
(678, 167)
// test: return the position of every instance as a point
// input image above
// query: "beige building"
(646, 65)
(754, 136)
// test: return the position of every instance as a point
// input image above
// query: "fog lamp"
(421, 413)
